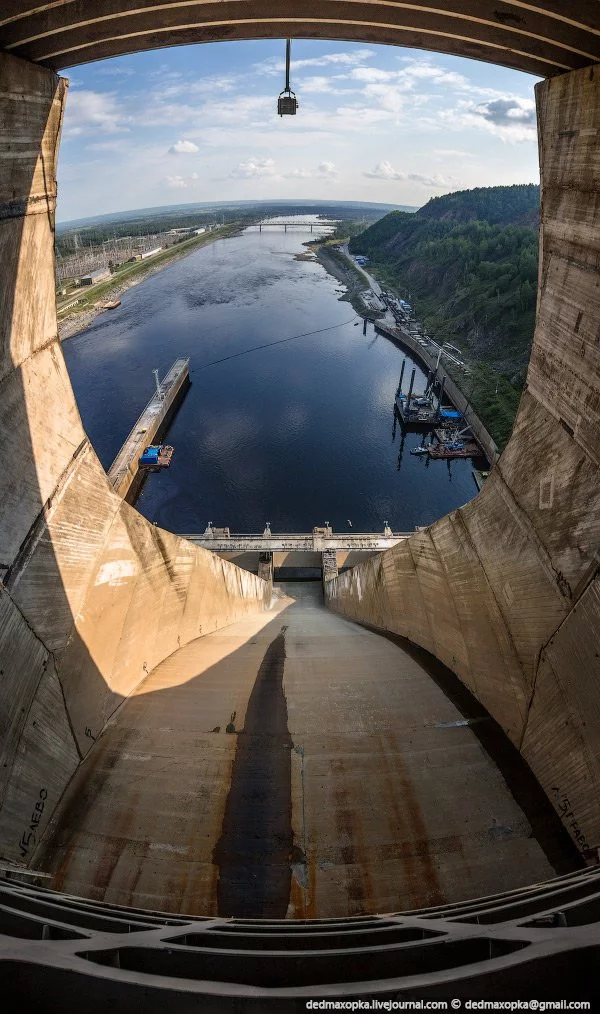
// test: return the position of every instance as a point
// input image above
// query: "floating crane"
(287, 103)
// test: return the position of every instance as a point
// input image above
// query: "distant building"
(95, 276)
(136, 257)
(198, 232)
(150, 253)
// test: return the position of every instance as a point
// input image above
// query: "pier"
(403, 340)
(124, 473)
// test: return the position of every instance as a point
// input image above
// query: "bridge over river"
(327, 226)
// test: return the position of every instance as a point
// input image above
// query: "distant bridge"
(295, 225)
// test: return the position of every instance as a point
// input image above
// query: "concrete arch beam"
(544, 38)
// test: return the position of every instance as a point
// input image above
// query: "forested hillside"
(518, 205)
(469, 267)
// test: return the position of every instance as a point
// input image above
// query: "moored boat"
(156, 456)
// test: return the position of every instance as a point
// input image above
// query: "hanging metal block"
(287, 104)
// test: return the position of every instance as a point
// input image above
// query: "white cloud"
(388, 97)
(508, 117)
(299, 174)
(385, 171)
(349, 59)
(453, 152)
(176, 182)
(370, 74)
(183, 148)
(94, 111)
(180, 182)
(436, 181)
(253, 167)
(116, 145)
(327, 170)
(319, 84)
(324, 171)
(190, 87)
(115, 70)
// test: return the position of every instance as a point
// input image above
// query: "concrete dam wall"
(93, 596)
(120, 642)
(505, 591)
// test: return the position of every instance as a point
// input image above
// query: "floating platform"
(156, 457)
(124, 473)
(468, 450)
(419, 413)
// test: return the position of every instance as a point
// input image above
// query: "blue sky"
(375, 123)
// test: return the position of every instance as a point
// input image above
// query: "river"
(297, 434)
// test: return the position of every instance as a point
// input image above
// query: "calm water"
(298, 434)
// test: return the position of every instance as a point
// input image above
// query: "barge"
(455, 449)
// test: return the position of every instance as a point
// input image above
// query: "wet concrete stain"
(547, 828)
(60, 842)
(254, 852)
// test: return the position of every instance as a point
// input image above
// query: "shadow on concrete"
(179, 807)
(547, 827)
(40, 749)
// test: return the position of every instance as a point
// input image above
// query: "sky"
(374, 123)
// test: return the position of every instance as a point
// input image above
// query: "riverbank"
(80, 318)
(346, 272)
(333, 262)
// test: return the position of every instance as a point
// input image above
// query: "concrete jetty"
(124, 473)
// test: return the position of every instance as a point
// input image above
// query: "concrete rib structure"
(96, 604)
(543, 38)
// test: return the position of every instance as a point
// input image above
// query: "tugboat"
(155, 457)
(424, 449)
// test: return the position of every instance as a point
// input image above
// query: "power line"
(268, 345)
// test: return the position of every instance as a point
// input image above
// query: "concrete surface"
(367, 792)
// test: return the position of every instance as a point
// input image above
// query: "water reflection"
(296, 433)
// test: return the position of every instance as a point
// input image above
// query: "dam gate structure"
(133, 753)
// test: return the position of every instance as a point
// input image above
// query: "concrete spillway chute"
(504, 591)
